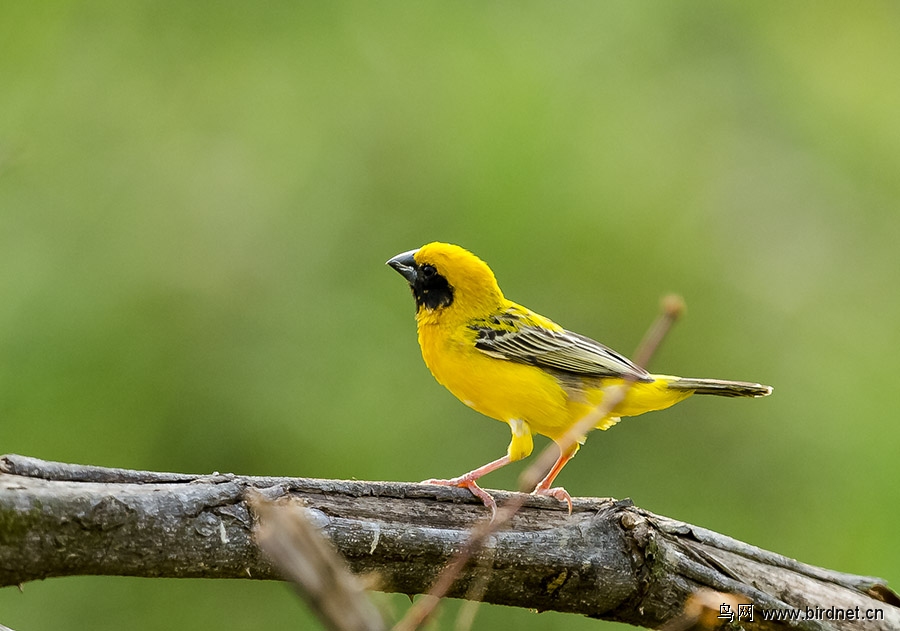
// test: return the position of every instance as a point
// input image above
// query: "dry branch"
(295, 544)
(608, 560)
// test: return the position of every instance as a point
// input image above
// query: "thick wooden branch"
(608, 559)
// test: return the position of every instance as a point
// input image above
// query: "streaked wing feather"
(513, 338)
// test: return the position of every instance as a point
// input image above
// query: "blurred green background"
(197, 200)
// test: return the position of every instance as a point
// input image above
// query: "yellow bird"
(521, 368)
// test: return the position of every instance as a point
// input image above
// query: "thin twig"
(302, 553)
(672, 307)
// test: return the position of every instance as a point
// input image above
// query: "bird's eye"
(428, 271)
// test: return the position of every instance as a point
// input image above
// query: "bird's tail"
(721, 388)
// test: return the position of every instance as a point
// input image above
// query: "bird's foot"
(558, 492)
(468, 483)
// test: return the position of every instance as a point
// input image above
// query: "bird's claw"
(474, 489)
(557, 492)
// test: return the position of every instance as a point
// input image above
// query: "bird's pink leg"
(468, 481)
(543, 488)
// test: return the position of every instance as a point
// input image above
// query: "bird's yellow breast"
(500, 389)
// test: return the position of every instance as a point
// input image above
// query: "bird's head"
(446, 279)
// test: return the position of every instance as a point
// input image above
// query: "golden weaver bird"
(521, 368)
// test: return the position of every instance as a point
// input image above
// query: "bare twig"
(288, 536)
(671, 308)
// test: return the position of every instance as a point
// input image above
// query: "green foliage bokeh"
(197, 199)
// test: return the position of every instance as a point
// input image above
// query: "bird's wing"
(518, 335)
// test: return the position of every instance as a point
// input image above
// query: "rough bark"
(608, 559)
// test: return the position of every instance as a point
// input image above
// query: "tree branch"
(608, 560)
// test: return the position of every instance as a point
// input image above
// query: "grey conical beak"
(405, 264)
